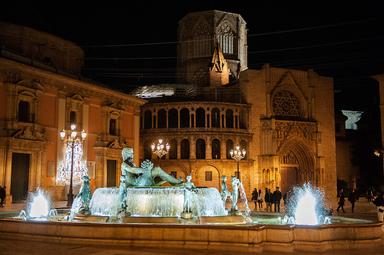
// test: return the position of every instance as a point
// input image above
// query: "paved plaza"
(363, 210)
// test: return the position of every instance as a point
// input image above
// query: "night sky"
(126, 47)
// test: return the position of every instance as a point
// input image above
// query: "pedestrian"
(268, 200)
(379, 202)
(260, 200)
(369, 195)
(341, 201)
(2, 195)
(353, 198)
(255, 195)
(276, 199)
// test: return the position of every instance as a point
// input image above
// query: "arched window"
(225, 38)
(173, 118)
(112, 127)
(215, 149)
(229, 118)
(72, 117)
(285, 103)
(200, 117)
(244, 145)
(147, 119)
(184, 149)
(229, 147)
(184, 118)
(215, 114)
(200, 149)
(173, 149)
(161, 119)
(24, 109)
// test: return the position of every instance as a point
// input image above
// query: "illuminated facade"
(41, 93)
(283, 118)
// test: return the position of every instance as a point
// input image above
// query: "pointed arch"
(295, 154)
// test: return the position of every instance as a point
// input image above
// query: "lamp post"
(160, 149)
(71, 137)
(237, 154)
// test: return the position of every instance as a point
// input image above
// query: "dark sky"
(136, 44)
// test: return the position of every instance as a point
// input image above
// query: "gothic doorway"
(207, 176)
(20, 176)
(296, 165)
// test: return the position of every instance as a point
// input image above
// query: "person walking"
(276, 199)
(260, 200)
(379, 202)
(255, 195)
(353, 198)
(341, 201)
(2, 196)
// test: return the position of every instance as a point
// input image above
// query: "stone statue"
(84, 196)
(235, 193)
(224, 190)
(188, 188)
(146, 175)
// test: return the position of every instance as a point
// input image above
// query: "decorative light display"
(79, 165)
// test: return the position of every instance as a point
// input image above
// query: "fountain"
(305, 206)
(185, 216)
(38, 206)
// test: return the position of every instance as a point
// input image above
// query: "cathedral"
(281, 119)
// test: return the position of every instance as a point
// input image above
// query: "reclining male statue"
(144, 176)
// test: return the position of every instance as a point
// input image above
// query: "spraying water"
(38, 206)
(243, 197)
(306, 207)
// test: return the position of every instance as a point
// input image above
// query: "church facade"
(282, 118)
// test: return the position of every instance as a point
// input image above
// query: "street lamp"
(160, 149)
(71, 137)
(237, 154)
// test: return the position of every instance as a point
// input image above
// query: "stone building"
(41, 93)
(283, 118)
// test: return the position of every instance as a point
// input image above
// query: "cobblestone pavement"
(363, 210)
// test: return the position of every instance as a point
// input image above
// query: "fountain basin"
(157, 202)
(241, 238)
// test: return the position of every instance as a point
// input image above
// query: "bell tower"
(198, 34)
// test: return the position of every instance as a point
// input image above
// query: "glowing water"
(243, 197)
(306, 207)
(306, 210)
(39, 206)
(105, 202)
(158, 202)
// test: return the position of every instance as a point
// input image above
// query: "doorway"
(289, 178)
(20, 176)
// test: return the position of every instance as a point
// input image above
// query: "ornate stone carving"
(285, 103)
(30, 133)
(294, 129)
